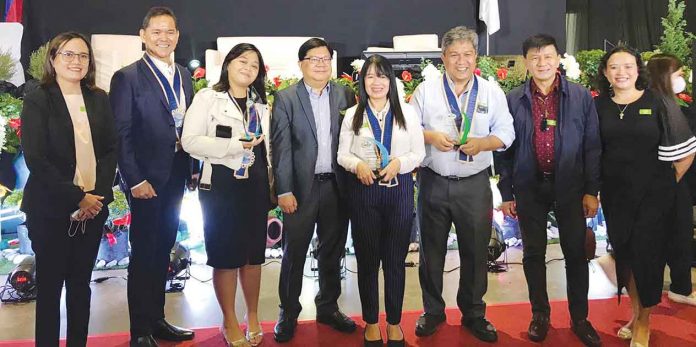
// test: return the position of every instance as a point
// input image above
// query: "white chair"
(113, 52)
(11, 41)
(424, 42)
(279, 54)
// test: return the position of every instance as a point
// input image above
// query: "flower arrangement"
(36, 62)
(10, 123)
(198, 79)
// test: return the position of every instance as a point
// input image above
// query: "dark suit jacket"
(577, 148)
(294, 138)
(144, 124)
(49, 149)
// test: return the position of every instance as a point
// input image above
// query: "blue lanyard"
(452, 100)
(172, 98)
(383, 140)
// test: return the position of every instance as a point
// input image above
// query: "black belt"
(326, 176)
(450, 177)
(545, 176)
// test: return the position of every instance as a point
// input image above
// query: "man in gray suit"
(309, 182)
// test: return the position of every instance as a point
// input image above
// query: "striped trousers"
(381, 219)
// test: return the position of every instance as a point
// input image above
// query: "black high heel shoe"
(396, 343)
(373, 343)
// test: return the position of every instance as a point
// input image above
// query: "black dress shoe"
(427, 323)
(338, 321)
(284, 329)
(586, 333)
(165, 331)
(481, 328)
(143, 341)
(538, 327)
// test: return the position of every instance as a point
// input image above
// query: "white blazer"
(407, 144)
(208, 110)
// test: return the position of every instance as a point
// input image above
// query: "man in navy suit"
(149, 99)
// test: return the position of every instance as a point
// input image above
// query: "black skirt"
(235, 213)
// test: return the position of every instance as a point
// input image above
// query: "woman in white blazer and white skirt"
(227, 129)
(381, 142)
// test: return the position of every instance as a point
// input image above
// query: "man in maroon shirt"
(553, 165)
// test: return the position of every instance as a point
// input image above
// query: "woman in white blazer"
(227, 128)
(381, 142)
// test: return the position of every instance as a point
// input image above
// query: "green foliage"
(14, 199)
(488, 66)
(119, 207)
(589, 64)
(7, 65)
(675, 39)
(10, 110)
(199, 84)
(36, 62)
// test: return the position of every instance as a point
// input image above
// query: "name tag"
(645, 111)
(482, 108)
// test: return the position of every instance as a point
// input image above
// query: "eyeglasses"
(69, 56)
(317, 60)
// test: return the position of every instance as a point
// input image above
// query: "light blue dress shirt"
(321, 108)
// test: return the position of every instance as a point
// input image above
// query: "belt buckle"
(453, 178)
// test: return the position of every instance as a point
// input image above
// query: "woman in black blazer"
(69, 142)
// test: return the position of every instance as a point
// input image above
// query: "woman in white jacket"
(381, 142)
(226, 128)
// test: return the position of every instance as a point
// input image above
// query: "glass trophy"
(375, 155)
(460, 136)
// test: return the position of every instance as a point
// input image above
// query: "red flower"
(125, 220)
(276, 81)
(685, 97)
(406, 76)
(594, 93)
(198, 73)
(502, 73)
(15, 123)
(347, 77)
(477, 72)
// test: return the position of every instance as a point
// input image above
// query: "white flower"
(691, 76)
(571, 66)
(357, 64)
(430, 71)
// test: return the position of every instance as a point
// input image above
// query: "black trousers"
(63, 259)
(468, 203)
(327, 210)
(680, 252)
(381, 220)
(154, 223)
(532, 210)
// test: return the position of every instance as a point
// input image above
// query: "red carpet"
(673, 325)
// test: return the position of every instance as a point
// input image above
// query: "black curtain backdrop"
(350, 25)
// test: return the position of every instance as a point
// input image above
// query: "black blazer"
(49, 149)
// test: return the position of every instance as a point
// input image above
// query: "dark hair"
(312, 44)
(156, 12)
(49, 75)
(382, 68)
(538, 41)
(601, 80)
(259, 83)
(660, 69)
